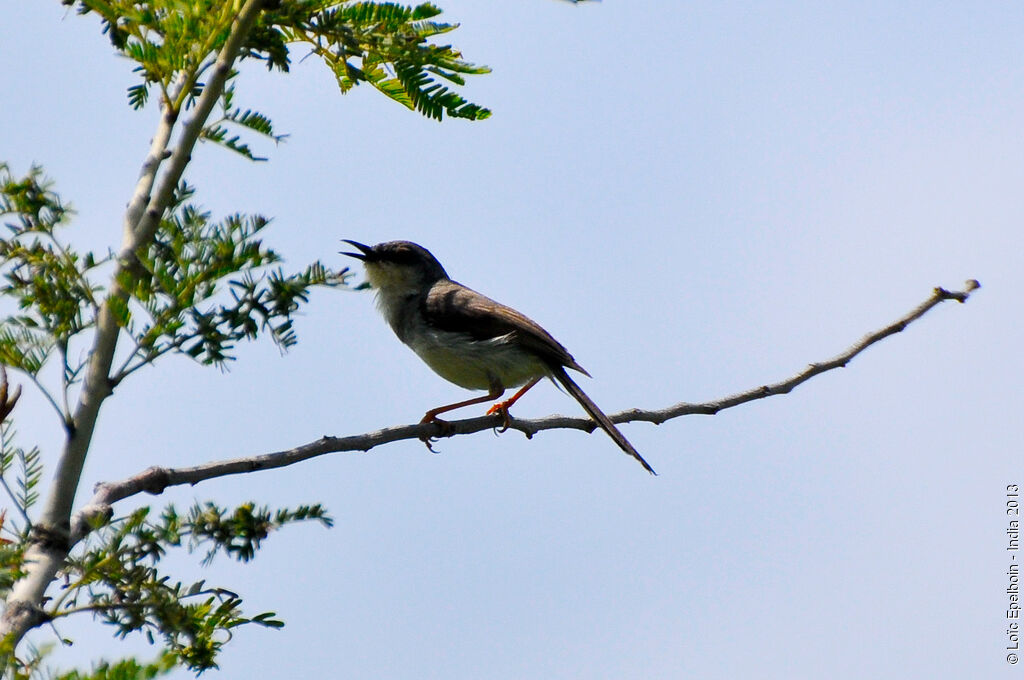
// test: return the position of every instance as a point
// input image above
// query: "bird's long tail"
(598, 415)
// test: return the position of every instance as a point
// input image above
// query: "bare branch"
(155, 479)
(50, 399)
(786, 386)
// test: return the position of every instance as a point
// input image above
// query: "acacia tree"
(183, 282)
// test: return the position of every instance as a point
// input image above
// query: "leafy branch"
(176, 286)
(190, 263)
(180, 281)
(26, 468)
(50, 282)
(117, 575)
(125, 669)
(384, 44)
(219, 131)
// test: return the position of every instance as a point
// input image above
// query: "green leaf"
(126, 669)
(48, 280)
(206, 285)
(369, 41)
(219, 132)
(174, 43)
(23, 347)
(118, 575)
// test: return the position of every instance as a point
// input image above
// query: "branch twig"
(155, 480)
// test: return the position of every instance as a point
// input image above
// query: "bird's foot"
(446, 430)
(506, 419)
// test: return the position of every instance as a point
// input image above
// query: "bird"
(468, 338)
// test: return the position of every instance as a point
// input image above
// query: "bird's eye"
(404, 255)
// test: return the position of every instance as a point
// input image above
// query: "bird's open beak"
(366, 250)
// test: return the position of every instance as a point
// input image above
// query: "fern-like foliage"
(385, 44)
(197, 285)
(21, 471)
(13, 543)
(34, 665)
(233, 118)
(125, 669)
(200, 287)
(49, 281)
(388, 46)
(205, 285)
(117, 576)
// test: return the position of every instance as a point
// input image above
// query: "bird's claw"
(506, 419)
(446, 430)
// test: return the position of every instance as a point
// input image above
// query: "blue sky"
(695, 198)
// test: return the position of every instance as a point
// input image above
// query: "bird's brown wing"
(450, 306)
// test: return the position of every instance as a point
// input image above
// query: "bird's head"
(398, 266)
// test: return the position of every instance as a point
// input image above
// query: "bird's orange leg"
(432, 414)
(502, 407)
(446, 427)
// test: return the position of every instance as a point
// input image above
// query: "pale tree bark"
(50, 534)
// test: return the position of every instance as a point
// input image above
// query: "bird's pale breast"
(477, 364)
